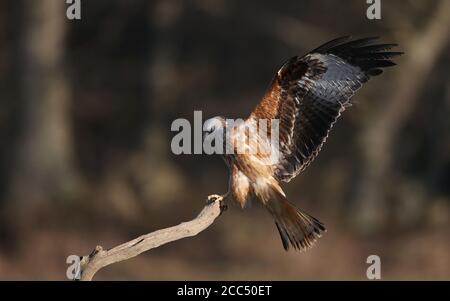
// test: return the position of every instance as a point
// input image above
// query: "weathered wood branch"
(100, 258)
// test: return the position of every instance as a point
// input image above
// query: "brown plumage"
(306, 96)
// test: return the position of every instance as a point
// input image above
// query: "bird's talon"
(214, 198)
(218, 198)
(223, 207)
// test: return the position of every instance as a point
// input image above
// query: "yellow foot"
(218, 198)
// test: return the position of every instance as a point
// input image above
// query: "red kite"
(306, 97)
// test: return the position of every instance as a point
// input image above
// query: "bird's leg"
(223, 205)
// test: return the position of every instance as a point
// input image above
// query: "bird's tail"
(296, 228)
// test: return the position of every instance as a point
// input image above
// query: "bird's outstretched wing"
(309, 93)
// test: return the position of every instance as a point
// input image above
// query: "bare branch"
(99, 258)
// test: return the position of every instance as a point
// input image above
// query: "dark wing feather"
(309, 93)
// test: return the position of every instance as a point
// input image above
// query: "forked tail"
(296, 228)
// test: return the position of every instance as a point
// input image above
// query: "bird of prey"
(306, 97)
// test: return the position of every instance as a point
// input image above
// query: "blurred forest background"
(85, 114)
